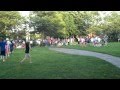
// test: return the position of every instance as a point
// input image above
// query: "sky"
(24, 13)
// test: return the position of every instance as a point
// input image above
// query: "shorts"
(3, 53)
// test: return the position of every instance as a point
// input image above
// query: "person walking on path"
(27, 54)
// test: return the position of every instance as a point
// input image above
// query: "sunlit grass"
(49, 64)
(112, 48)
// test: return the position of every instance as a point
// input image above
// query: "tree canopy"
(8, 21)
(62, 24)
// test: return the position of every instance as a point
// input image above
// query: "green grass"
(49, 64)
(112, 48)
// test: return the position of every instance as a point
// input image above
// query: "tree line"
(61, 24)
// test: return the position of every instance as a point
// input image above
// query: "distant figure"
(82, 41)
(27, 49)
(118, 39)
(7, 49)
(2, 46)
(97, 41)
(11, 47)
(105, 38)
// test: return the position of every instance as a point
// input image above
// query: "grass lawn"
(49, 64)
(112, 48)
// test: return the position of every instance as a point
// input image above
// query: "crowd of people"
(6, 48)
(83, 41)
(96, 41)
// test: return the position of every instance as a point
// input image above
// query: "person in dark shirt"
(11, 47)
(27, 53)
(2, 49)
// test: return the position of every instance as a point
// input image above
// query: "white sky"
(102, 13)
(24, 13)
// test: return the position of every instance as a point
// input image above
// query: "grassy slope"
(53, 65)
(111, 48)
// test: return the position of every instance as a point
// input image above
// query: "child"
(7, 49)
(27, 55)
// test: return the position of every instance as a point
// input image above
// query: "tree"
(47, 23)
(70, 26)
(112, 23)
(84, 20)
(8, 21)
(67, 23)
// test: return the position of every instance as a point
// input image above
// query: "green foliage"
(47, 23)
(112, 25)
(62, 23)
(65, 23)
(8, 21)
(70, 26)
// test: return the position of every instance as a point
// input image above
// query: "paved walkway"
(109, 58)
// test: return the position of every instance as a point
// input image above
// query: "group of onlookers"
(6, 48)
(81, 40)
(96, 41)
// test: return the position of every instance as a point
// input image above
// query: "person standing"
(7, 49)
(27, 53)
(2, 46)
(11, 47)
